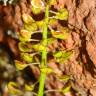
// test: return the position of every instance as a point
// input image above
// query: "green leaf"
(27, 57)
(27, 19)
(46, 70)
(31, 27)
(13, 88)
(37, 7)
(24, 47)
(29, 87)
(61, 34)
(20, 65)
(63, 78)
(62, 14)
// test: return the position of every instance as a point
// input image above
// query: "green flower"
(52, 2)
(31, 27)
(62, 14)
(27, 57)
(38, 47)
(27, 19)
(24, 47)
(20, 65)
(29, 87)
(37, 7)
(24, 35)
(13, 88)
(62, 56)
(61, 34)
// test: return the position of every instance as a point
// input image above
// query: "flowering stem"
(44, 53)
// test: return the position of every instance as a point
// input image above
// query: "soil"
(82, 24)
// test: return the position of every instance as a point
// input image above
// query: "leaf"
(63, 78)
(27, 57)
(31, 27)
(62, 34)
(24, 47)
(37, 7)
(29, 87)
(20, 66)
(13, 88)
(46, 70)
(27, 19)
(24, 35)
(62, 14)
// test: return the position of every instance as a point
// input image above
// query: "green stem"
(44, 53)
